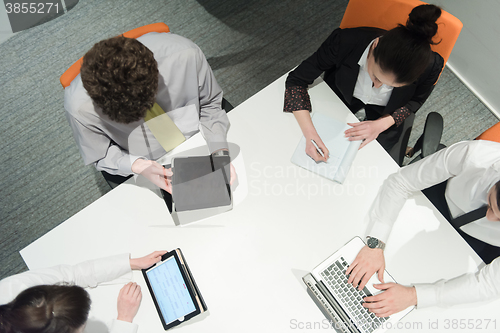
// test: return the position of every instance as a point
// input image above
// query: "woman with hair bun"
(389, 74)
(52, 300)
(46, 308)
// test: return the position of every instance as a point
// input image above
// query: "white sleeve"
(430, 171)
(86, 274)
(118, 326)
(468, 288)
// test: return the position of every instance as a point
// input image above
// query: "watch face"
(372, 242)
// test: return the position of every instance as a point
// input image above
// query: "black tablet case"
(201, 182)
(185, 269)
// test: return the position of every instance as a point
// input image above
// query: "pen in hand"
(318, 149)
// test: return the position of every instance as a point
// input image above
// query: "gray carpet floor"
(248, 43)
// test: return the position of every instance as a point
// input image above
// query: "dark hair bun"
(422, 21)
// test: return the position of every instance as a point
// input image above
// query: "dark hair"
(405, 50)
(46, 309)
(497, 190)
(121, 76)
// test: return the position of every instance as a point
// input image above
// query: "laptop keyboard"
(349, 297)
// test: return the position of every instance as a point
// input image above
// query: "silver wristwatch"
(374, 243)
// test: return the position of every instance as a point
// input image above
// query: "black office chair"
(427, 144)
(398, 152)
(430, 140)
(226, 105)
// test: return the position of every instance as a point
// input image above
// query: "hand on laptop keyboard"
(367, 262)
(394, 298)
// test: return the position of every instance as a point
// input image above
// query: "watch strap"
(380, 244)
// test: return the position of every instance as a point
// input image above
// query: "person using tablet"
(173, 290)
(52, 300)
(472, 172)
(389, 74)
(120, 80)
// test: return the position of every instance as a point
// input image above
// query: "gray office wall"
(475, 59)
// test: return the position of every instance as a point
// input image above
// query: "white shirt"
(472, 168)
(364, 89)
(86, 274)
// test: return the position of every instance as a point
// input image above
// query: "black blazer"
(338, 57)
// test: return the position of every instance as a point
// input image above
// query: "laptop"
(339, 301)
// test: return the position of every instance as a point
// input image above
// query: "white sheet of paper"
(342, 151)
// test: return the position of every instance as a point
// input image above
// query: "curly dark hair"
(121, 76)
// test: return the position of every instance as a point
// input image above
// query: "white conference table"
(249, 262)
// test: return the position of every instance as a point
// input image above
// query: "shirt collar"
(364, 56)
(362, 64)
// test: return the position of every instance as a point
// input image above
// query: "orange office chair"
(72, 72)
(387, 14)
(491, 134)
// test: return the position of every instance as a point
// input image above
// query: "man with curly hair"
(121, 79)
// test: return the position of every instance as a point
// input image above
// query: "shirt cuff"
(426, 295)
(296, 98)
(134, 158)
(118, 326)
(217, 143)
(400, 115)
(380, 231)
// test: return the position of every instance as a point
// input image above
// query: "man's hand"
(313, 152)
(146, 261)
(394, 298)
(129, 300)
(154, 172)
(367, 262)
(368, 130)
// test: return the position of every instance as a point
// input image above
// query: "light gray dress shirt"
(472, 169)
(187, 92)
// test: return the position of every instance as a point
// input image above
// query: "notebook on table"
(339, 301)
(200, 187)
(342, 151)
